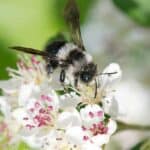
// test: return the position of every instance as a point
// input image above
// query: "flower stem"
(103, 147)
(125, 126)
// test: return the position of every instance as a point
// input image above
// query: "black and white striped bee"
(67, 55)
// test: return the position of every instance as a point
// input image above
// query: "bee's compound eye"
(85, 77)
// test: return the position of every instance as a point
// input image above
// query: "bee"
(68, 56)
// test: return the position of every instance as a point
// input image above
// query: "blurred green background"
(112, 30)
(30, 23)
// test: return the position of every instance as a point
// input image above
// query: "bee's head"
(88, 72)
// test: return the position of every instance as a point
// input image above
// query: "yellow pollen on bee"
(87, 94)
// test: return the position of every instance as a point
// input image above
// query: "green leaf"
(23, 146)
(107, 117)
(60, 92)
(138, 10)
(143, 145)
(80, 106)
(146, 145)
(67, 89)
(18, 146)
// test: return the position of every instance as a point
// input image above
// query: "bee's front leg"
(62, 79)
(76, 82)
(76, 79)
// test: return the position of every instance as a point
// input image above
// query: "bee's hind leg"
(62, 76)
(62, 79)
(49, 68)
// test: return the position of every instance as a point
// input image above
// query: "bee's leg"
(76, 78)
(49, 68)
(96, 86)
(62, 79)
(62, 76)
(76, 82)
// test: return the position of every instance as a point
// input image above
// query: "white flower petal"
(10, 86)
(112, 126)
(70, 118)
(30, 103)
(90, 146)
(31, 141)
(109, 80)
(100, 139)
(75, 135)
(69, 100)
(25, 92)
(4, 107)
(55, 100)
(20, 114)
(110, 105)
(13, 126)
(35, 109)
(26, 132)
(91, 114)
(40, 139)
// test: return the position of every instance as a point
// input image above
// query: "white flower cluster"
(46, 118)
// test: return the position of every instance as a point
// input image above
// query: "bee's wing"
(29, 50)
(72, 16)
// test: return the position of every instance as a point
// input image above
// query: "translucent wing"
(71, 15)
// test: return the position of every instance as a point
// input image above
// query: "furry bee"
(69, 56)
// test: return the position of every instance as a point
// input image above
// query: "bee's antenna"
(28, 50)
(34, 52)
(96, 87)
(108, 73)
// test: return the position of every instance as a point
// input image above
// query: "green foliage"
(1, 92)
(7, 58)
(20, 146)
(30, 24)
(107, 117)
(67, 89)
(80, 106)
(60, 92)
(143, 145)
(23, 146)
(138, 10)
(1, 116)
